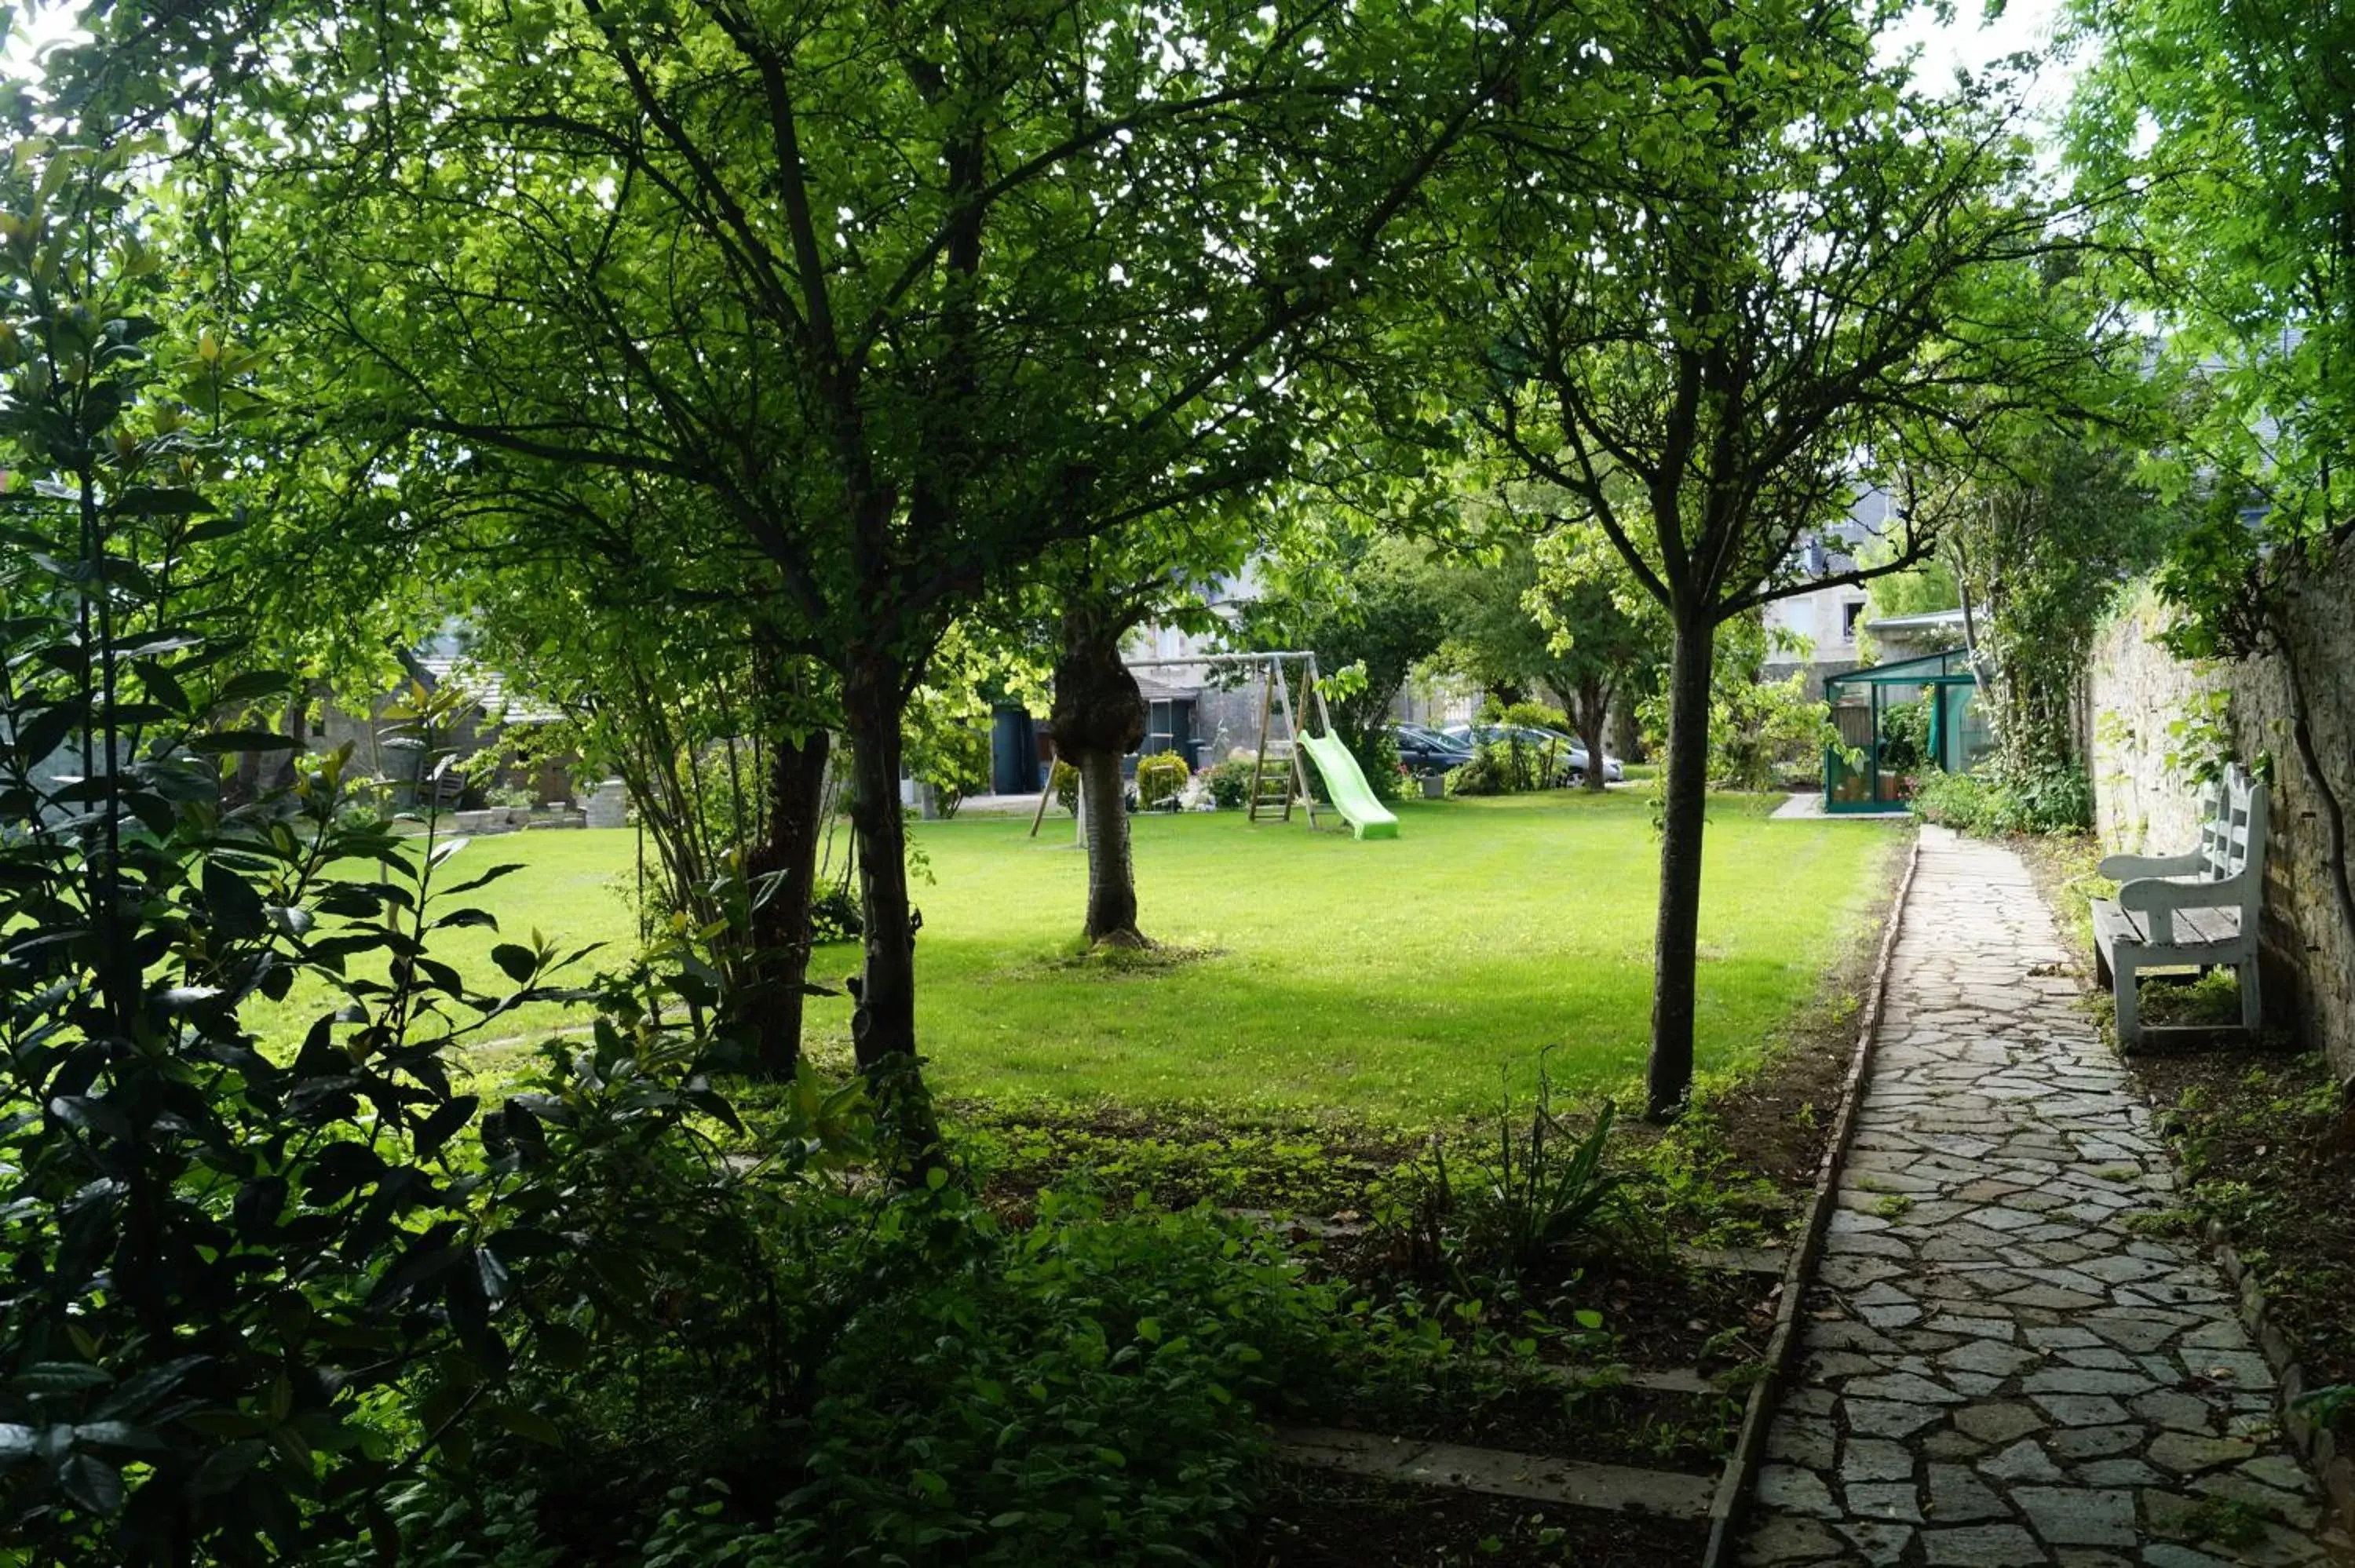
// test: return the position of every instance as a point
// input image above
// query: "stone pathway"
(2001, 1369)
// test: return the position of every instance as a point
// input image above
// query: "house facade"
(1831, 618)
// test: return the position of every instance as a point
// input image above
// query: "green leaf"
(519, 963)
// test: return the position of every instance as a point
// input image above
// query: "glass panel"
(1844, 784)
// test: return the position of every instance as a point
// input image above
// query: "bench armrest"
(2119, 867)
(2149, 893)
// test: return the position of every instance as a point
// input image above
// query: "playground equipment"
(1284, 754)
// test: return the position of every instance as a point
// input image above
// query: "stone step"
(1615, 1488)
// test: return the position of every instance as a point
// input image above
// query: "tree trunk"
(883, 1022)
(783, 871)
(1593, 698)
(1675, 943)
(1111, 874)
(1623, 727)
(1099, 718)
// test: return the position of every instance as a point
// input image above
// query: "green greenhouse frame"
(1863, 702)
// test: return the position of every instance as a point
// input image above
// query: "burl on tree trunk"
(1099, 717)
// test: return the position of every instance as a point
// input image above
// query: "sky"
(1967, 41)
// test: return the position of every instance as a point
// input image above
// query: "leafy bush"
(1161, 777)
(950, 755)
(1905, 736)
(1508, 767)
(2056, 799)
(1064, 779)
(1080, 1390)
(835, 914)
(220, 1262)
(1088, 1388)
(1230, 782)
(1377, 755)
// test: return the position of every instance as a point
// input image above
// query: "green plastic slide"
(1352, 797)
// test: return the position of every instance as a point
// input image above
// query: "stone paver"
(1999, 1367)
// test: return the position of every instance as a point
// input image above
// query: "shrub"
(1230, 782)
(2057, 798)
(1905, 736)
(1064, 779)
(1082, 1391)
(951, 756)
(1161, 777)
(1509, 767)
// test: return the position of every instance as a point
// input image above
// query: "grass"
(1397, 980)
(573, 885)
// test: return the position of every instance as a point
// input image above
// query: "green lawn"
(572, 885)
(1393, 979)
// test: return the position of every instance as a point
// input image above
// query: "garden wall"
(2154, 718)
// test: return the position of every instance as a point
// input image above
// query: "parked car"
(1567, 749)
(1424, 750)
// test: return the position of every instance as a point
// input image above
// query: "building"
(1829, 619)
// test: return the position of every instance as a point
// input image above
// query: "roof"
(1926, 620)
(1159, 691)
(1952, 664)
(487, 686)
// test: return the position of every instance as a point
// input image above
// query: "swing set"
(1283, 754)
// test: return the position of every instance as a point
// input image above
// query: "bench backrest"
(2234, 836)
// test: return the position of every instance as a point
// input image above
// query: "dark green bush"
(1230, 782)
(2055, 798)
(1905, 736)
(1083, 1391)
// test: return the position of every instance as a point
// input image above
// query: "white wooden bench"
(2196, 911)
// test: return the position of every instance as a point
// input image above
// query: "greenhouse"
(1895, 720)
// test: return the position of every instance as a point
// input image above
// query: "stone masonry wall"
(2145, 804)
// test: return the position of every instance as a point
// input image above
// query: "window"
(1850, 613)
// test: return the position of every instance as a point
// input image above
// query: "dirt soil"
(1319, 1519)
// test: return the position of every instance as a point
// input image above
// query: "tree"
(1769, 259)
(2232, 124)
(1356, 598)
(2035, 551)
(674, 682)
(907, 295)
(1535, 598)
(1100, 589)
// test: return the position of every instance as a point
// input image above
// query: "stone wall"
(2146, 801)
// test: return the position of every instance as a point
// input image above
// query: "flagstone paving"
(2001, 1367)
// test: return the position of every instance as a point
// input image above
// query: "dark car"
(1424, 750)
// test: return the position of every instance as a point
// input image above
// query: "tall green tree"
(1751, 257)
(2035, 551)
(909, 294)
(1355, 597)
(2236, 127)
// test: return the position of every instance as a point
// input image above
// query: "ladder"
(1279, 773)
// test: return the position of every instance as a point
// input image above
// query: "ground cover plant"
(1402, 981)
